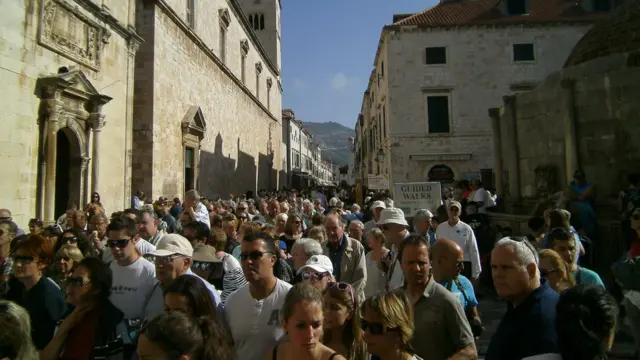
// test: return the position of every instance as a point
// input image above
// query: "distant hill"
(333, 139)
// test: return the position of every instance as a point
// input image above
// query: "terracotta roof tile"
(472, 12)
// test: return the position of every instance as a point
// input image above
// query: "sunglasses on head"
(342, 287)
(314, 275)
(119, 243)
(374, 328)
(24, 259)
(76, 281)
(70, 240)
(253, 255)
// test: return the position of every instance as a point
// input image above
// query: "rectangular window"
(268, 98)
(523, 52)
(243, 68)
(438, 114)
(258, 86)
(191, 13)
(436, 55)
(223, 43)
(516, 7)
(189, 168)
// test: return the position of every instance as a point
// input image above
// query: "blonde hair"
(560, 265)
(378, 235)
(16, 332)
(352, 335)
(71, 252)
(280, 217)
(395, 311)
(315, 231)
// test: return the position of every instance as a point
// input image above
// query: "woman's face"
(69, 239)
(78, 286)
(304, 327)
(335, 313)
(95, 197)
(299, 257)
(175, 301)
(379, 340)
(550, 272)
(64, 263)
(296, 227)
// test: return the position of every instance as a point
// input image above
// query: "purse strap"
(459, 285)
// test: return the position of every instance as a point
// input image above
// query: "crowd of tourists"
(298, 275)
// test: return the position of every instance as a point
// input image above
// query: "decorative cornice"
(103, 14)
(225, 18)
(259, 67)
(500, 25)
(244, 47)
(269, 83)
(173, 16)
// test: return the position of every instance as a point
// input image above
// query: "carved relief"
(546, 180)
(259, 67)
(65, 30)
(269, 83)
(225, 17)
(244, 46)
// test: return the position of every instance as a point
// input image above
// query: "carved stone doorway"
(68, 170)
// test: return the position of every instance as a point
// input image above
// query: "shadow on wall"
(220, 174)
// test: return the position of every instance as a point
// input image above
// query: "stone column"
(132, 49)
(494, 114)
(84, 178)
(97, 124)
(511, 145)
(568, 117)
(50, 174)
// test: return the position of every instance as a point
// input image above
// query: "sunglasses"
(383, 227)
(201, 265)
(544, 273)
(313, 276)
(119, 243)
(253, 255)
(76, 281)
(374, 328)
(69, 240)
(23, 259)
(160, 260)
(64, 258)
(342, 287)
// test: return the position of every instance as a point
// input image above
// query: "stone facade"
(67, 72)
(207, 102)
(479, 69)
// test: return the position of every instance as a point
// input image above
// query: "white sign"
(378, 182)
(410, 197)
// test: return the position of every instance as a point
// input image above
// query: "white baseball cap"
(318, 263)
(392, 216)
(172, 244)
(378, 204)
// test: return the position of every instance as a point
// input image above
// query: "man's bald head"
(446, 247)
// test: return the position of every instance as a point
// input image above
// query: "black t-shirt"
(46, 306)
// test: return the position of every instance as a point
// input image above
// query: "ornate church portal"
(70, 120)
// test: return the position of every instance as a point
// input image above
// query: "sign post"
(410, 197)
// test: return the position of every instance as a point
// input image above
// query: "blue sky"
(328, 48)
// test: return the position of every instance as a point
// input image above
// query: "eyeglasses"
(374, 328)
(22, 259)
(161, 260)
(119, 243)
(76, 281)
(314, 275)
(383, 227)
(342, 287)
(253, 255)
(201, 265)
(69, 240)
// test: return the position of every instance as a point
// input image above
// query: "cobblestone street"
(492, 309)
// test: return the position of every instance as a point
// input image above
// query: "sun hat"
(378, 204)
(453, 203)
(392, 216)
(205, 253)
(172, 244)
(318, 263)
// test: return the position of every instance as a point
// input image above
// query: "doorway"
(67, 171)
(189, 169)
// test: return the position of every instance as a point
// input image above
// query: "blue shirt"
(335, 255)
(587, 277)
(528, 329)
(467, 288)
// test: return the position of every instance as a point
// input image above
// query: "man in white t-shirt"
(253, 311)
(173, 258)
(458, 231)
(480, 196)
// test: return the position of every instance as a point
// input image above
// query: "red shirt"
(634, 250)
(81, 339)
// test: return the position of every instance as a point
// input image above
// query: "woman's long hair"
(586, 319)
(15, 337)
(196, 293)
(352, 336)
(560, 265)
(200, 338)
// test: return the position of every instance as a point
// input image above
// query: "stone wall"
(233, 154)
(605, 95)
(479, 71)
(22, 61)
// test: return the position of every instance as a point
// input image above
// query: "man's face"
(100, 225)
(334, 229)
(274, 208)
(355, 231)
(257, 261)
(454, 213)
(170, 267)
(185, 218)
(423, 224)
(510, 278)
(190, 234)
(415, 264)
(376, 213)
(147, 227)
(449, 265)
(566, 249)
(393, 232)
(122, 245)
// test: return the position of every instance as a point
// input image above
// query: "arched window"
(261, 22)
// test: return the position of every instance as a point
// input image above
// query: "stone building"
(67, 71)
(423, 114)
(207, 97)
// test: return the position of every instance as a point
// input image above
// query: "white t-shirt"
(481, 196)
(463, 235)
(132, 287)
(255, 325)
(376, 279)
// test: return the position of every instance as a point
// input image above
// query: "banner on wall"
(410, 197)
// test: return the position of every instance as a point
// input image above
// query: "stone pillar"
(494, 114)
(510, 137)
(97, 122)
(84, 178)
(132, 49)
(570, 138)
(50, 174)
